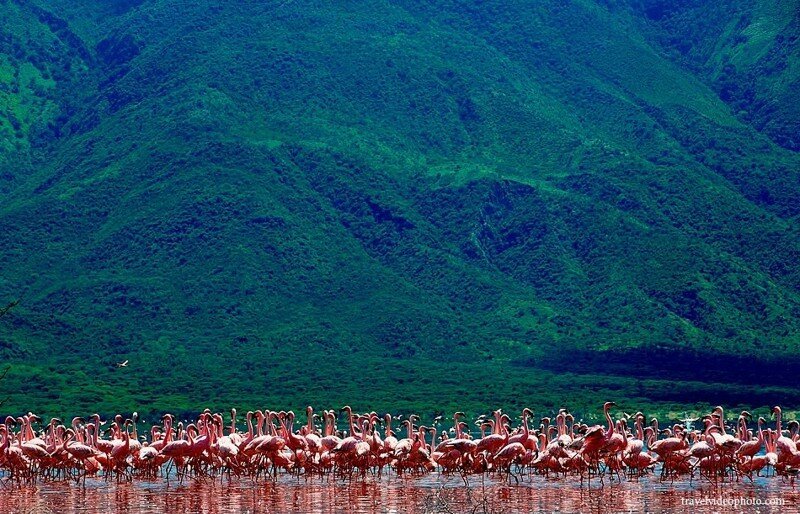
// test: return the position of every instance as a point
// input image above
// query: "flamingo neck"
(66, 441)
(167, 430)
(260, 424)
(722, 421)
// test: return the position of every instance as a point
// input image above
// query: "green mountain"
(399, 205)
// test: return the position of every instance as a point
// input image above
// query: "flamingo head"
(776, 410)
(608, 405)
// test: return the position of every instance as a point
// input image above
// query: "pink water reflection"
(429, 494)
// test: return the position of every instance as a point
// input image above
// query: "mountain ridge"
(355, 195)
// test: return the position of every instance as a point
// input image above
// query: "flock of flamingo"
(561, 447)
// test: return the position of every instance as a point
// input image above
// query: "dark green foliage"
(409, 205)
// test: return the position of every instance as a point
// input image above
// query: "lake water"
(432, 493)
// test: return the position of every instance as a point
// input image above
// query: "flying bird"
(123, 364)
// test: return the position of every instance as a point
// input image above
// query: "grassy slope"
(421, 205)
(749, 55)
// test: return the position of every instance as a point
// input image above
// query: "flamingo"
(494, 442)
(785, 447)
(528, 440)
(273, 445)
(79, 451)
(596, 439)
(752, 446)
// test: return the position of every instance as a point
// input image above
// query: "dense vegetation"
(401, 204)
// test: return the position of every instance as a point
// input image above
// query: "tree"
(8, 307)
(3, 312)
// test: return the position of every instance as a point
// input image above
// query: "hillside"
(415, 205)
